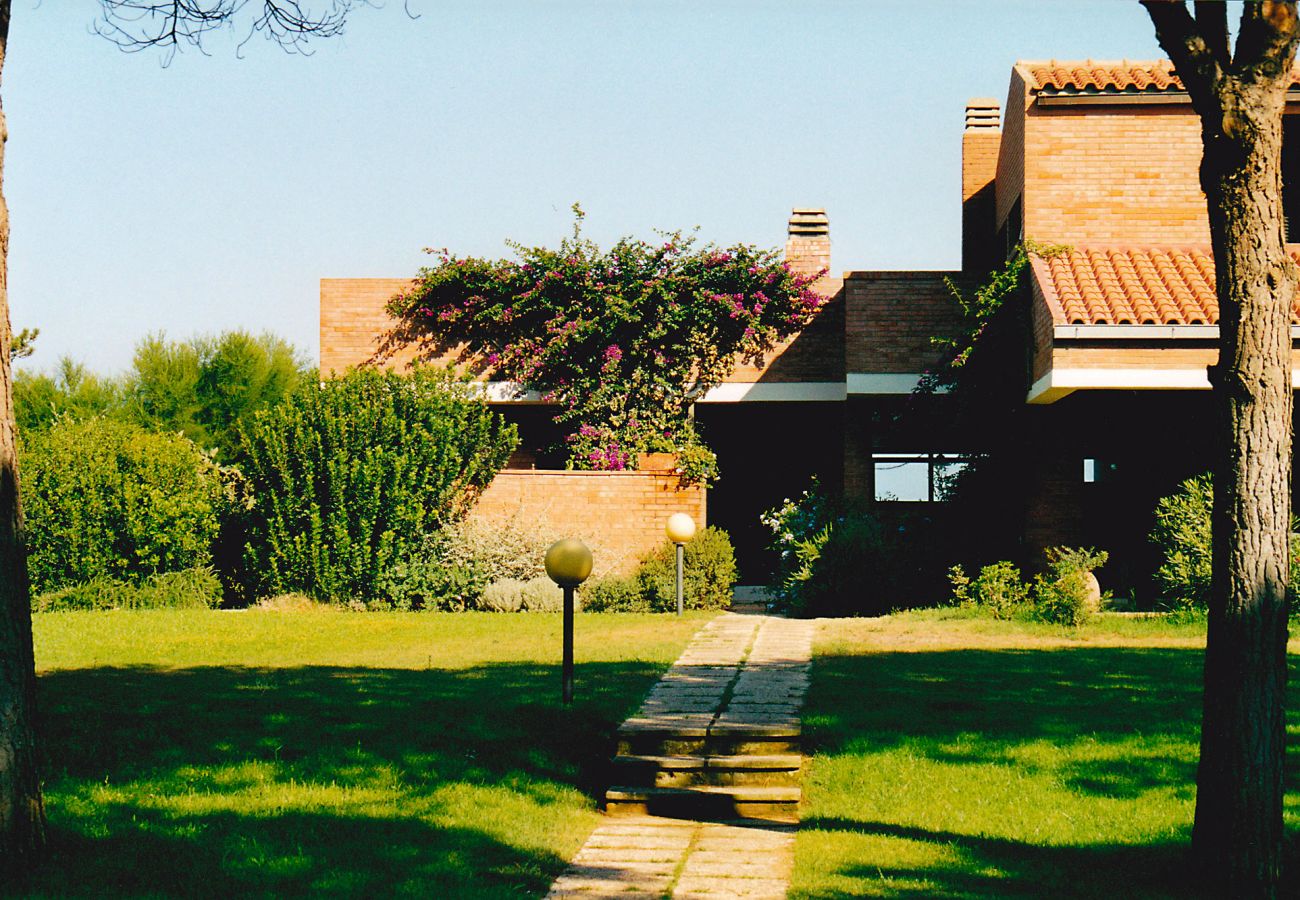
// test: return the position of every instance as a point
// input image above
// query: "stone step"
(688, 771)
(772, 803)
(637, 739)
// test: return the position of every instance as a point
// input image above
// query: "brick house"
(1099, 156)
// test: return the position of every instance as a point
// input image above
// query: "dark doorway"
(767, 452)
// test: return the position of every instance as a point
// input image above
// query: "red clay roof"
(1092, 76)
(1134, 286)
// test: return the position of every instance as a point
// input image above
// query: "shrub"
(187, 589)
(109, 499)
(1183, 536)
(709, 573)
(614, 593)
(997, 590)
(352, 478)
(1066, 594)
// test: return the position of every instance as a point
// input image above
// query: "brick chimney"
(808, 245)
(979, 167)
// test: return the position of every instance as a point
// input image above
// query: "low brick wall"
(621, 515)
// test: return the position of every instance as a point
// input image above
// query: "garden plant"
(624, 340)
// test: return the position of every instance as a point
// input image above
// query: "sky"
(214, 193)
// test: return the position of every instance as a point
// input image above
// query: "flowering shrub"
(623, 340)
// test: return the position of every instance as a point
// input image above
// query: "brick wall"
(814, 354)
(1114, 174)
(353, 321)
(1011, 156)
(891, 316)
(620, 515)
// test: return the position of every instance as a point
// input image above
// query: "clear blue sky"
(215, 193)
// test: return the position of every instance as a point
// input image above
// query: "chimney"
(979, 167)
(808, 245)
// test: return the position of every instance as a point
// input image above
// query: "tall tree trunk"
(1238, 828)
(1239, 95)
(22, 814)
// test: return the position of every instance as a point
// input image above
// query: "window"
(915, 477)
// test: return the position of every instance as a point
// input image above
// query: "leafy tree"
(133, 24)
(624, 340)
(40, 399)
(1239, 93)
(207, 387)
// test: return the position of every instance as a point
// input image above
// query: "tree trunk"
(22, 814)
(1238, 829)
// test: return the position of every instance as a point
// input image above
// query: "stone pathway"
(722, 725)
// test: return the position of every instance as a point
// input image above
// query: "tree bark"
(22, 813)
(1238, 826)
(1237, 836)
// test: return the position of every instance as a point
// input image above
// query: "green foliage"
(105, 498)
(624, 340)
(514, 595)
(72, 391)
(708, 573)
(615, 593)
(835, 560)
(207, 387)
(997, 590)
(352, 477)
(22, 344)
(1066, 593)
(708, 576)
(197, 588)
(1182, 534)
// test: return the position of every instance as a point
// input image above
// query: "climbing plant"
(623, 340)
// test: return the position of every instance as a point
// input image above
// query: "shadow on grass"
(1130, 716)
(322, 781)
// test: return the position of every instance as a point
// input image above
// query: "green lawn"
(959, 757)
(327, 753)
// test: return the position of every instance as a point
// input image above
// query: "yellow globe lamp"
(568, 562)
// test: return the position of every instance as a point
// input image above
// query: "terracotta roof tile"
(1092, 76)
(1134, 286)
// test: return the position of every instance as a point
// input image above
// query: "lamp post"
(568, 563)
(681, 528)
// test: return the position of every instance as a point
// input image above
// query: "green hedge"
(106, 499)
(709, 574)
(351, 477)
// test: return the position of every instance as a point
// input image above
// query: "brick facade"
(890, 318)
(621, 515)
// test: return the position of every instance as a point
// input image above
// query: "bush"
(108, 499)
(709, 573)
(1066, 594)
(354, 477)
(997, 590)
(614, 593)
(708, 576)
(1183, 536)
(188, 589)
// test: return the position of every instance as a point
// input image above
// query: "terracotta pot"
(657, 462)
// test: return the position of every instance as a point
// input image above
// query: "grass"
(326, 753)
(962, 757)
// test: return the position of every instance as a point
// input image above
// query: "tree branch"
(140, 24)
(1266, 43)
(1212, 21)
(1194, 59)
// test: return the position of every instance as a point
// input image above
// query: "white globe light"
(681, 528)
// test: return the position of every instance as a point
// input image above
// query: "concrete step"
(688, 771)
(772, 803)
(713, 740)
